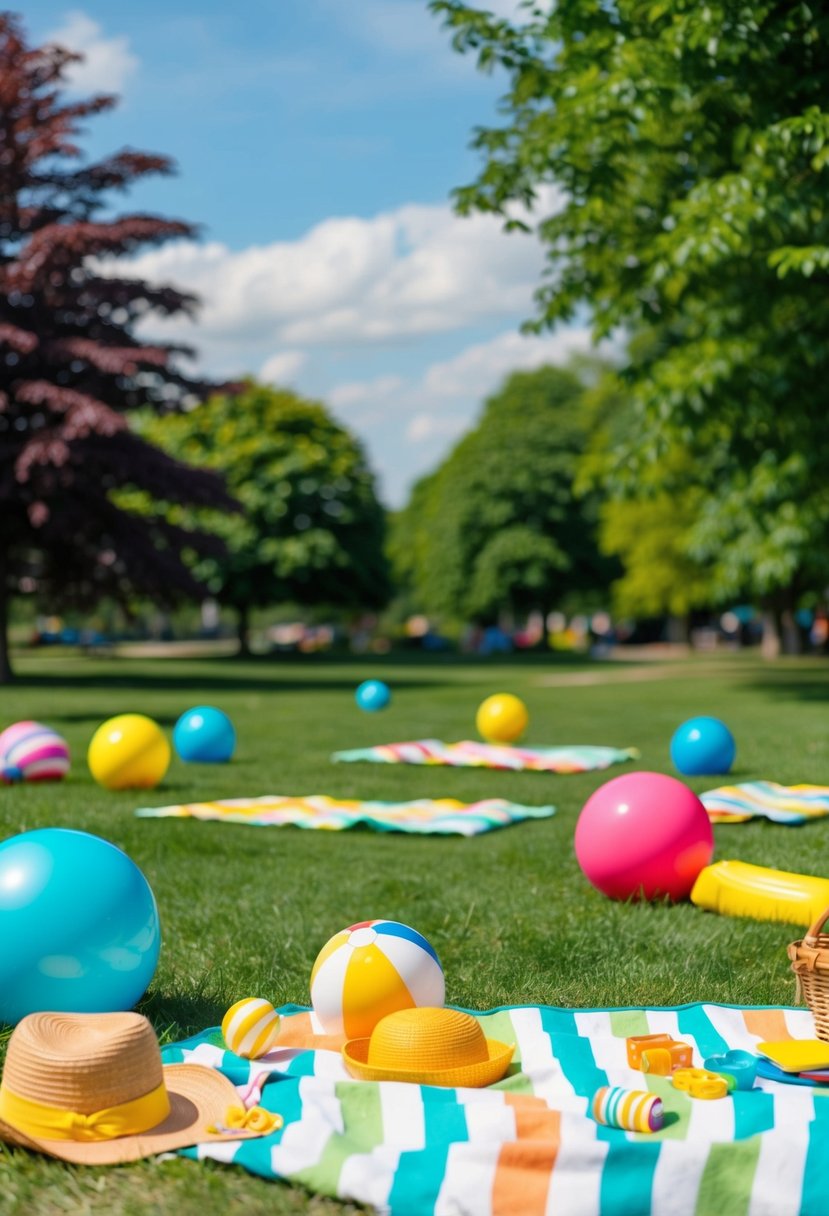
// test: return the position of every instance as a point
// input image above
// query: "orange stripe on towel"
(296, 1031)
(525, 1165)
(768, 1024)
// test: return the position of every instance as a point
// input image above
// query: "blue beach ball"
(204, 735)
(372, 695)
(78, 923)
(703, 746)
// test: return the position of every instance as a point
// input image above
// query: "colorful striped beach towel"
(426, 816)
(789, 804)
(527, 1146)
(469, 754)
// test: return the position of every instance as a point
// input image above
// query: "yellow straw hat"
(90, 1088)
(429, 1047)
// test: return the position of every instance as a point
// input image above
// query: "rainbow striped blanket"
(526, 1146)
(789, 804)
(469, 754)
(426, 816)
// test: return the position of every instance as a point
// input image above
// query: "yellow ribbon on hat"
(257, 1121)
(56, 1123)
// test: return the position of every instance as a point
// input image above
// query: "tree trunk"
(679, 628)
(6, 673)
(781, 634)
(243, 629)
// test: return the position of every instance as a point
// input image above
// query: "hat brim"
(465, 1076)
(199, 1098)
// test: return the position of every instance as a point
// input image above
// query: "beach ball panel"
(338, 940)
(327, 990)
(373, 987)
(425, 980)
(393, 929)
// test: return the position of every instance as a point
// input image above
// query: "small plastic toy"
(79, 925)
(129, 752)
(371, 969)
(658, 1054)
(30, 751)
(700, 1083)
(643, 836)
(250, 1028)
(797, 1055)
(372, 695)
(634, 1110)
(741, 1065)
(204, 735)
(703, 745)
(502, 718)
(736, 888)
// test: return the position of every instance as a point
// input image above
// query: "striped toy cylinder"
(30, 751)
(371, 969)
(250, 1028)
(634, 1110)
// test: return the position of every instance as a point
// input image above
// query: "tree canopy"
(311, 529)
(498, 526)
(688, 149)
(71, 366)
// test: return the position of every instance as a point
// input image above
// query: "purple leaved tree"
(71, 365)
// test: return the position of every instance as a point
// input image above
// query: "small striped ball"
(250, 1027)
(634, 1110)
(30, 751)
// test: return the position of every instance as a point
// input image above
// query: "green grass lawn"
(245, 911)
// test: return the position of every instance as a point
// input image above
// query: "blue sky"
(317, 142)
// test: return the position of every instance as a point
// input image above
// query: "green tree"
(312, 530)
(498, 526)
(689, 146)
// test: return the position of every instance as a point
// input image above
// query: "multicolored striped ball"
(30, 751)
(250, 1027)
(371, 969)
(634, 1110)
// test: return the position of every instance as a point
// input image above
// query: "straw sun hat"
(429, 1047)
(90, 1088)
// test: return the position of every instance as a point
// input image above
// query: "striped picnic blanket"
(526, 1146)
(426, 816)
(789, 804)
(468, 754)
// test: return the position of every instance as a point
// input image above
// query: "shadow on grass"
(809, 687)
(176, 1016)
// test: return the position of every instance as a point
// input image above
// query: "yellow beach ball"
(251, 1027)
(502, 718)
(129, 752)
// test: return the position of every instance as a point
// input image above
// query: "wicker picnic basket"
(810, 963)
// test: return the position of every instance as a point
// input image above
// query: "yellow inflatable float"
(735, 888)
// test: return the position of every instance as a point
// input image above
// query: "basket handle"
(810, 937)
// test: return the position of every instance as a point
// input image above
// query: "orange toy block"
(658, 1054)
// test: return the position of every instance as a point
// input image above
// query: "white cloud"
(432, 409)
(417, 270)
(281, 368)
(364, 392)
(478, 370)
(108, 63)
(430, 426)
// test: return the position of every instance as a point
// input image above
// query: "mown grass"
(245, 911)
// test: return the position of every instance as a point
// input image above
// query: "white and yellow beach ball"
(371, 969)
(250, 1027)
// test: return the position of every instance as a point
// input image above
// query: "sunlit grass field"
(244, 911)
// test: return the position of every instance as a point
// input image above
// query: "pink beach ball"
(30, 751)
(643, 836)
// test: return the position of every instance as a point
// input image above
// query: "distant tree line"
(690, 151)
